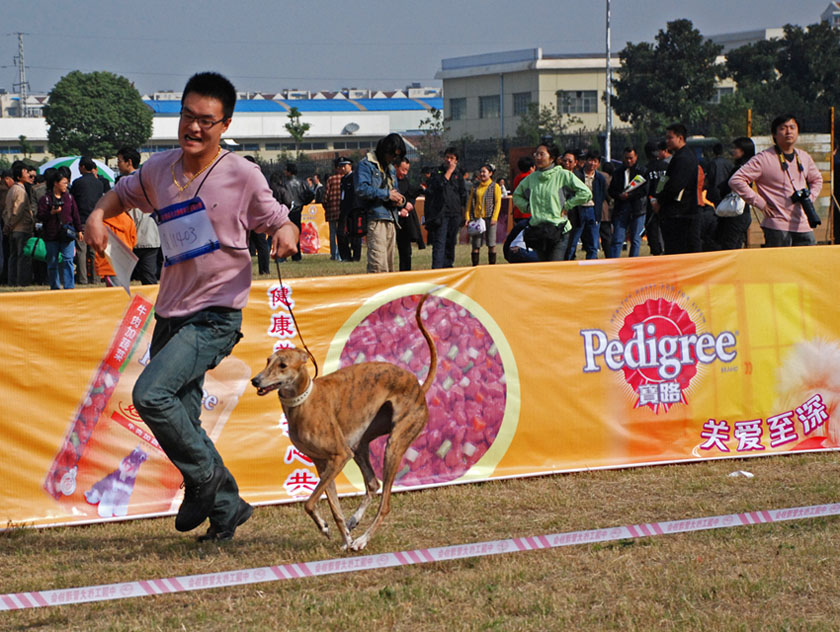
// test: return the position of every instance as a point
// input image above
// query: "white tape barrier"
(125, 590)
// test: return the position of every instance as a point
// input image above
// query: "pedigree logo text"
(659, 344)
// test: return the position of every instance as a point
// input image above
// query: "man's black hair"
(678, 129)
(291, 167)
(630, 148)
(593, 154)
(717, 149)
(18, 167)
(781, 120)
(214, 85)
(453, 151)
(129, 154)
(524, 164)
(87, 163)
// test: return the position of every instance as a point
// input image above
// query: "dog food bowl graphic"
(474, 399)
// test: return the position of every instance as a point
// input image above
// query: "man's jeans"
(444, 238)
(585, 228)
(782, 238)
(626, 226)
(168, 394)
(20, 266)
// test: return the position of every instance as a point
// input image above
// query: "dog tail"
(430, 378)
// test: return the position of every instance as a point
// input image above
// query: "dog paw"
(326, 532)
(359, 543)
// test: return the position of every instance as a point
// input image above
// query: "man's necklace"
(181, 189)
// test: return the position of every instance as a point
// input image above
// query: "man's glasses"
(204, 122)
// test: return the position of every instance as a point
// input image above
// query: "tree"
(797, 73)
(671, 81)
(539, 122)
(95, 114)
(25, 146)
(434, 131)
(296, 128)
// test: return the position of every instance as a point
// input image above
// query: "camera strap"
(786, 169)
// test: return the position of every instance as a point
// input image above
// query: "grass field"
(765, 577)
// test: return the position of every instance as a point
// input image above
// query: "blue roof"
(252, 105)
(312, 105)
(321, 105)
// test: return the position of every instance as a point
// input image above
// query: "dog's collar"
(297, 400)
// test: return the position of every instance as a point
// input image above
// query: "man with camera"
(787, 182)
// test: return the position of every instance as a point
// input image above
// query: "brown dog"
(335, 417)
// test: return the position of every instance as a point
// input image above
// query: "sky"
(269, 45)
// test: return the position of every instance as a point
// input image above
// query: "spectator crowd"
(566, 204)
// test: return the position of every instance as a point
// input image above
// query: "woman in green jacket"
(548, 194)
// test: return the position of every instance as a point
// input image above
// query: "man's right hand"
(95, 234)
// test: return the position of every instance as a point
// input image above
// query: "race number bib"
(185, 231)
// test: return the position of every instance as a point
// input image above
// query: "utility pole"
(22, 85)
(608, 87)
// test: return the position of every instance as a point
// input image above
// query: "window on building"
(488, 107)
(521, 101)
(457, 109)
(250, 147)
(577, 101)
(720, 93)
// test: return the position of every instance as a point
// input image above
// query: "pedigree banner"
(542, 368)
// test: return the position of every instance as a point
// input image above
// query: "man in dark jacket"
(658, 158)
(300, 195)
(629, 189)
(408, 226)
(676, 201)
(445, 209)
(586, 225)
(86, 190)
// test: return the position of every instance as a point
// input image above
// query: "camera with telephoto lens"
(803, 197)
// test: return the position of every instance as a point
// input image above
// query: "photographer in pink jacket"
(786, 184)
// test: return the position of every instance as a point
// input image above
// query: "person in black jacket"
(628, 216)
(446, 200)
(731, 232)
(676, 201)
(86, 190)
(408, 227)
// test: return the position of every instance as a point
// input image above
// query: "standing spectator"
(605, 231)
(351, 222)
(6, 182)
(56, 210)
(676, 201)
(589, 213)
(258, 242)
(503, 187)
(317, 188)
(628, 215)
(147, 249)
(332, 209)
(300, 196)
(408, 226)
(125, 230)
(19, 223)
(543, 194)
(446, 200)
(86, 190)
(526, 168)
(731, 232)
(485, 203)
(718, 170)
(198, 311)
(376, 189)
(658, 158)
(785, 179)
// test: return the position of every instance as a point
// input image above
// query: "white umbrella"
(73, 163)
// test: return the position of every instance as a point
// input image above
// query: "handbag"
(67, 233)
(476, 227)
(730, 206)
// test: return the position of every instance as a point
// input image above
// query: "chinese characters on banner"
(781, 428)
(302, 481)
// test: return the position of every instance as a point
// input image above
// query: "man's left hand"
(284, 241)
